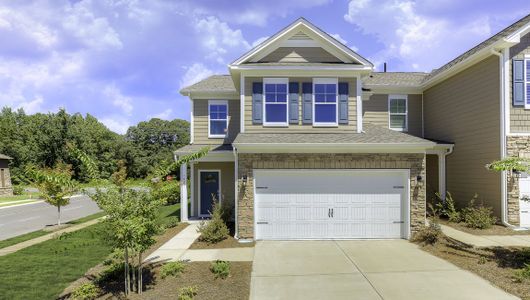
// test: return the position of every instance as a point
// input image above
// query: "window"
(275, 104)
(527, 82)
(217, 118)
(397, 111)
(325, 101)
(2, 178)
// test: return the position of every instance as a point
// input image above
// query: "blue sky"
(124, 61)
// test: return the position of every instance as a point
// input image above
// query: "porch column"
(183, 193)
(441, 175)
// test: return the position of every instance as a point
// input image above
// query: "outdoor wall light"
(419, 178)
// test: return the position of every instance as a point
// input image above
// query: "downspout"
(504, 198)
(236, 189)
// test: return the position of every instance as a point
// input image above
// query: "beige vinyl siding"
(227, 182)
(300, 55)
(519, 117)
(465, 110)
(352, 112)
(200, 122)
(375, 111)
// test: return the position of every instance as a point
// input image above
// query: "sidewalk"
(177, 248)
(28, 243)
(487, 240)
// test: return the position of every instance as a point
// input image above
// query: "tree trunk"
(58, 215)
(133, 282)
(140, 275)
(126, 275)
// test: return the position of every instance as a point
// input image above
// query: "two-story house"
(308, 142)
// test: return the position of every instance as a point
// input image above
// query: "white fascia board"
(338, 67)
(333, 148)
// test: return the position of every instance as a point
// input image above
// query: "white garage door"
(524, 203)
(331, 204)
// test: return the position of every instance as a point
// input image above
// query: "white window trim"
(217, 102)
(275, 81)
(326, 81)
(526, 81)
(395, 97)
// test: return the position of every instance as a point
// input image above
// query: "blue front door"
(209, 190)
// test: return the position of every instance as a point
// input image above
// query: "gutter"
(504, 198)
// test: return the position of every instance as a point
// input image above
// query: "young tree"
(55, 185)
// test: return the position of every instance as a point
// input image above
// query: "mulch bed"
(92, 273)
(229, 242)
(236, 286)
(497, 265)
(494, 230)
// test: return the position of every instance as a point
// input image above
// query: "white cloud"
(116, 124)
(194, 74)
(118, 99)
(418, 41)
(165, 115)
(33, 106)
(94, 32)
(218, 38)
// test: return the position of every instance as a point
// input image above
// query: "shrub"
(167, 190)
(86, 291)
(428, 235)
(171, 222)
(214, 230)
(220, 268)
(482, 260)
(113, 273)
(174, 269)
(18, 190)
(478, 216)
(522, 274)
(447, 208)
(187, 293)
(227, 209)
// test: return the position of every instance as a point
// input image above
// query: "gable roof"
(394, 79)
(505, 34)
(2, 156)
(212, 84)
(299, 30)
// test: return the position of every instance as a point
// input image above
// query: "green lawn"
(43, 271)
(24, 196)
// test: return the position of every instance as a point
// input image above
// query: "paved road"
(27, 218)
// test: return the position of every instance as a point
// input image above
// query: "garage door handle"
(332, 212)
(259, 223)
(398, 222)
(524, 211)
(262, 187)
(329, 212)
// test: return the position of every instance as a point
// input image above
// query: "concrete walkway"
(177, 249)
(486, 240)
(28, 243)
(389, 269)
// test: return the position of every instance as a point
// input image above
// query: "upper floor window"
(325, 101)
(217, 118)
(527, 81)
(397, 112)
(275, 104)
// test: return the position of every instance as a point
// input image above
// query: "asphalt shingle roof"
(193, 148)
(395, 78)
(2, 156)
(214, 83)
(372, 134)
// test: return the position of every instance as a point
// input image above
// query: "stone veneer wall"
(248, 162)
(516, 146)
(8, 189)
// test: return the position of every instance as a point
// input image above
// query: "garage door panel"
(294, 204)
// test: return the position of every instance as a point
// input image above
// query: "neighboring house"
(5, 178)
(308, 142)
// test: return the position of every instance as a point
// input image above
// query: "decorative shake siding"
(227, 182)
(375, 111)
(465, 110)
(248, 162)
(352, 112)
(200, 122)
(6, 188)
(516, 146)
(300, 55)
(519, 117)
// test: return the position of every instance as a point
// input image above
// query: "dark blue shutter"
(293, 103)
(518, 82)
(257, 103)
(307, 103)
(343, 102)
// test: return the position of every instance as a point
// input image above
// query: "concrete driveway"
(394, 269)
